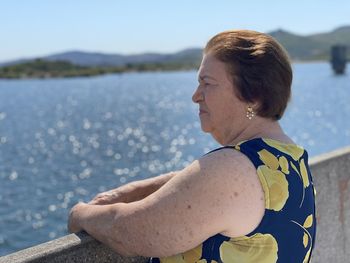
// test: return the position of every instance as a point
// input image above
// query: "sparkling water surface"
(64, 140)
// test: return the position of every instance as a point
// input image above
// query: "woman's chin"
(205, 128)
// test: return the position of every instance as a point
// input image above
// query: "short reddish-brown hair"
(259, 67)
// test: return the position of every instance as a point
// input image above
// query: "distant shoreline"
(41, 69)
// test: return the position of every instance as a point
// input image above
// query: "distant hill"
(340, 35)
(192, 56)
(300, 48)
(315, 46)
(98, 59)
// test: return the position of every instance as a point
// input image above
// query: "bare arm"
(218, 193)
(133, 191)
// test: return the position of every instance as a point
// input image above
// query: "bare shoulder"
(227, 160)
(230, 169)
(226, 186)
(239, 189)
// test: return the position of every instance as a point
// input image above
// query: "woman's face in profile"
(220, 110)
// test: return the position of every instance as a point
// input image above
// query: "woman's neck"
(259, 128)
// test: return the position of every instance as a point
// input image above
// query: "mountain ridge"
(300, 48)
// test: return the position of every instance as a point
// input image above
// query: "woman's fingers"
(105, 198)
(100, 201)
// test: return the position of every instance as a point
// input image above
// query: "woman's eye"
(205, 84)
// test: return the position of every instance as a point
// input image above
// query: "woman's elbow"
(142, 248)
(122, 249)
(124, 252)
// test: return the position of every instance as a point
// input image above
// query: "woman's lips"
(202, 111)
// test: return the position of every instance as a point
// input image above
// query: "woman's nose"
(197, 95)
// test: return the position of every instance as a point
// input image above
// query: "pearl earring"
(250, 113)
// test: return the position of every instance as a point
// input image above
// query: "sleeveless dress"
(287, 230)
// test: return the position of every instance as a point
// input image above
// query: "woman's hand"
(102, 223)
(74, 221)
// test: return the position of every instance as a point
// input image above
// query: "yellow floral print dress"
(288, 229)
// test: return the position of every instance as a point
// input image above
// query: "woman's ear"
(255, 105)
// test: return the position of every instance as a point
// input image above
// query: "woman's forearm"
(133, 191)
(143, 188)
(101, 217)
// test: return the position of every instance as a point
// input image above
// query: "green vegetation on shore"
(54, 69)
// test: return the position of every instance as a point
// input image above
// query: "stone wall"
(331, 173)
(68, 249)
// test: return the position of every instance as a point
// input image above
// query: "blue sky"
(33, 28)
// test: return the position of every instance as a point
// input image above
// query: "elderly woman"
(251, 200)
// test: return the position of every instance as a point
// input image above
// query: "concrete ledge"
(71, 248)
(331, 175)
(327, 157)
